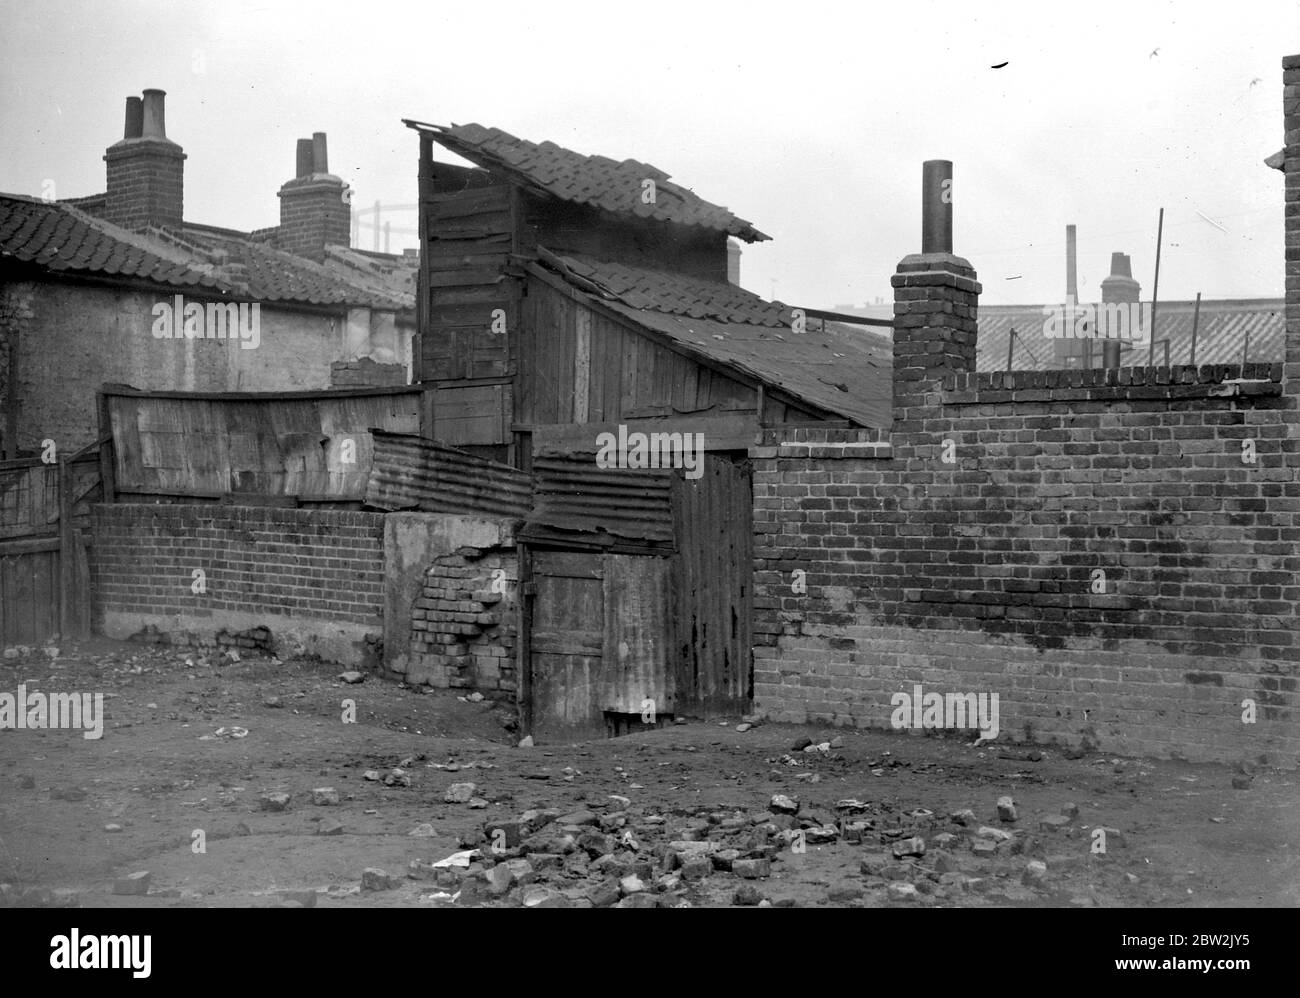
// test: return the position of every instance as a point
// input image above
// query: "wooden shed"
(559, 305)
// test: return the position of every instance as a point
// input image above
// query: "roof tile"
(596, 181)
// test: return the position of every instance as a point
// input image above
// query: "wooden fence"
(44, 529)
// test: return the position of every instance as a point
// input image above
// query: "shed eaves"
(596, 181)
(838, 368)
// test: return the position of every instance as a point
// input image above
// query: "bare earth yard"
(76, 814)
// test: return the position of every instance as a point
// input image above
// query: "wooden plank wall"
(639, 635)
(470, 235)
(38, 560)
(29, 498)
(566, 645)
(29, 590)
(169, 445)
(712, 585)
(578, 365)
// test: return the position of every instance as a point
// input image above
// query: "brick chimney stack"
(936, 297)
(314, 205)
(146, 170)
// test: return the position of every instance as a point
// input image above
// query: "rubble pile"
(612, 854)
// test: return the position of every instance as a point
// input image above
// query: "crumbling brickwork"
(463, 624)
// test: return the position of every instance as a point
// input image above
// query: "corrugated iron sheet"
(572, 493)
(1220, 335)
(411, 472)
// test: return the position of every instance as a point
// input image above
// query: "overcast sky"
(809, 119)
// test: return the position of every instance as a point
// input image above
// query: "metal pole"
(1155, 288)
(1011, 347)
(1196, 320)
(1245, 349)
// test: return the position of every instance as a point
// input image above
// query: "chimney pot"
(320, 157)
(134, 118)
(306, 157)
(936, 206)
(155, 126)
(1071, 262)
(1120, 265)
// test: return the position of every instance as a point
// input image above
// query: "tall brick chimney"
(1068, 353)
(146, 170)
(1119, 286)
(314, 211)
(936, 297)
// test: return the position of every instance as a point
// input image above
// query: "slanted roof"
(840, 369)
(62, 239)
(1220, 336)
(596, 181)
(275, 275)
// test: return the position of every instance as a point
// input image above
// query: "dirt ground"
(76, 814)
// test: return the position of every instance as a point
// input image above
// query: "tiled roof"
(274, 275)
(60, 238)
(1220, 336)
(590, 180)
(838, 368)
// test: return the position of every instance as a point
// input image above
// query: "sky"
(811, 120)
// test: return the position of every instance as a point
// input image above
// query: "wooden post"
(107, 482)
(1196, 321)
(1155, 289)
(67, 550)
(524, 657)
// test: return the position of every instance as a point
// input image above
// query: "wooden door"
(566, 644)
(712, 584)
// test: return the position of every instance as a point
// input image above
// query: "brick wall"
(15, 317)
(961, 554)
(313, 577)
(463, 628)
